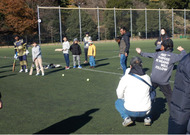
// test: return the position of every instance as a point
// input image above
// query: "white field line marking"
(106, 72)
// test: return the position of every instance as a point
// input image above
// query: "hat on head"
(87, 32)
(75, 40)
(90, 42)
(136, 61)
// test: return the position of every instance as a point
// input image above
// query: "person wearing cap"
(86, 39)
(163, 66)
(21, 53)
(92, 54)
(76, 52)
(134, 95)
(163, 36)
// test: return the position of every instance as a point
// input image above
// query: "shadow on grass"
(175, 67)
(100, 65)
(69, 125)
(158, 107)
(145, 69)
(54, 70)
(5, 71)
(7, 75)
(6, 66)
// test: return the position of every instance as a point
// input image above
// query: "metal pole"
(80, 25)
(184, 22)
(98, 24)
(60, 27)
(172, 23)
(115, 23)
(131, 23)
(146, 22)
(39, 21)
(159, 22)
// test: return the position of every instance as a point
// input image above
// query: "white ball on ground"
(87, 79)
(63, 75)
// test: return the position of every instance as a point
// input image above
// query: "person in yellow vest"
(92, 54)
(21, 52)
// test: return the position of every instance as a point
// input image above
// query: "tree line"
(19, 17)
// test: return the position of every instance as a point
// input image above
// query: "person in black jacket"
(124, 46)
(163, 36)
(1, 103)
(179, 120)
(76, 52)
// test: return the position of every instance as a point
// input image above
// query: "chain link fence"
(105, 23)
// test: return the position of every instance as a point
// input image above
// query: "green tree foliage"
(177, 4)
(119, 3)
(152, 23)
(72, 25)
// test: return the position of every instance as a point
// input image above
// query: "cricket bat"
(58, 50)
(14, 64)
(31, 68)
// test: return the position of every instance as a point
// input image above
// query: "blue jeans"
(92, 61)
(119, 104)
(123, 62)
(66, 56)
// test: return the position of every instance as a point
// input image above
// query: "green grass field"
(70, 104)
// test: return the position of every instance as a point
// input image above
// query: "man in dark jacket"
(76, 52)
(124, 46)
(179, 120)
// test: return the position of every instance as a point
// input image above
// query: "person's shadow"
(69, 125)
(158, 108)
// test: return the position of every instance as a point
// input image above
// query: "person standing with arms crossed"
(124, 48)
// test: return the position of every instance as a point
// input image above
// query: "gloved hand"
(15, 57)
(27, 52)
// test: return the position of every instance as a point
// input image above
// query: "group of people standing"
(21, 52)
(89, 51)
(135, 87)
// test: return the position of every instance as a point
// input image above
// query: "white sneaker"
(147, 121)
(21, 71)
(43, 74)
(26, 70)
(127, 121)
(37, 74)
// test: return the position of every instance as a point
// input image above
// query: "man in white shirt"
(134, 94)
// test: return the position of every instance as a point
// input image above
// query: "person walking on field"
(92, 54)
(163, 66)
(86, 39)
(37, 58)
(76, 52)
(124, 46)
(66, 47)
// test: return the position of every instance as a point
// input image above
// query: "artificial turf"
(70, 104)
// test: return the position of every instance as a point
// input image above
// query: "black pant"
(166, 90)
(86, 54)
